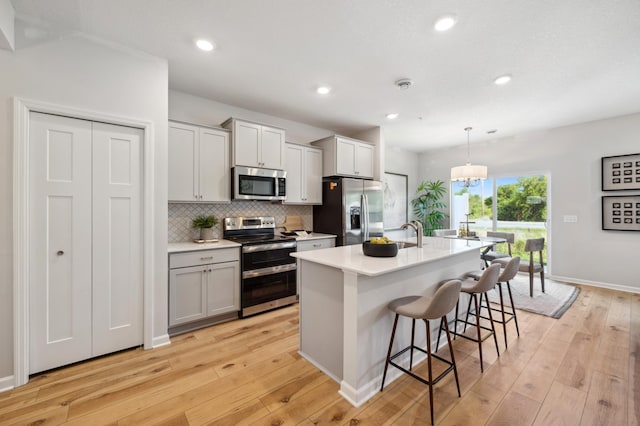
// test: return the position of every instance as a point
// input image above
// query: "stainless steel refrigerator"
(351, 209)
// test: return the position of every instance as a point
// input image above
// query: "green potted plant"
(205, 224)
(428, 205)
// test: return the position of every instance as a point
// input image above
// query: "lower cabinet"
(203, 284)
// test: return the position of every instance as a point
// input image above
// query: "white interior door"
(60, 241)
(85, 278)
(117, 238)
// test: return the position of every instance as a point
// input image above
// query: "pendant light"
(469, 174)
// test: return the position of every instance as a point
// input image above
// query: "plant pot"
(206, 233)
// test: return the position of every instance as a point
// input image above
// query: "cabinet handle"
(195, 196)
(60, 253)
(317, 245)
(210, 270)
(207, 257)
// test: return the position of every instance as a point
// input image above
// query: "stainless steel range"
(268, 270)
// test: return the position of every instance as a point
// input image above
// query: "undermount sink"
(405, 244)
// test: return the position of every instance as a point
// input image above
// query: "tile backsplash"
(180, 215)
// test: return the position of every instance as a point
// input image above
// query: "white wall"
(79, 73)
(403, 162)
(205, 112)
(580, 252)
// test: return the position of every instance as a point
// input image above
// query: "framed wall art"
(621, 213)
(395, 198)
(621, 172)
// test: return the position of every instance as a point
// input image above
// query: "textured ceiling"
(572, 61)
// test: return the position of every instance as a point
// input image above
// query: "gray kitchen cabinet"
(346, 157)
(255, 144)
(304, 174)
(198, 164)
(203, 284)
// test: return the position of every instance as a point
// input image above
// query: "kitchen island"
(344, 322)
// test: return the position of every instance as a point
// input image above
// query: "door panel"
(373, 191)
(117, 232)
(183, 167)
(271, 148)
(353, 197)
(60, 241)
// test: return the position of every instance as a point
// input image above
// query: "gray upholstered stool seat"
(425, 308)
(473, 288)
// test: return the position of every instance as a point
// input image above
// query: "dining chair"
(443, 232)
(532, 246)
(492, 254)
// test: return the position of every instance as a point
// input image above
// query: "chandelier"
(469, 173)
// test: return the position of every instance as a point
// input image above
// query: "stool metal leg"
(413, 333)
(513, 309)
(453, 359)
(475, 300)
(493, 328)
(504, 320)
(429, 367)
(386, 365)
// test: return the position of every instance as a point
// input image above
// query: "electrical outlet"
(570, 218)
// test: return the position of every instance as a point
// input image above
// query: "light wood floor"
(581, 369)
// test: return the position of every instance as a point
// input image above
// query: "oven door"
(262, 290)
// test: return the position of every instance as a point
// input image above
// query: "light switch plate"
(570, 218)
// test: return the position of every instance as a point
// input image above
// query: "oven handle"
(269, 271)
(265, 247)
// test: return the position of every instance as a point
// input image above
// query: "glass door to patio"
(515, 204)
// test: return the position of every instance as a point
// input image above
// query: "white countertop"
(190, 246)
(351, 258)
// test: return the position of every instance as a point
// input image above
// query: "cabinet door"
(312, 191)
(246, 144)
(223, 288)
(183, 170)
(345, 157)
(364, 160)
(187, 294)
(214, 165)
(272, 148)
(295, 173)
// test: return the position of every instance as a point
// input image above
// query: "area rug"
(556, 299)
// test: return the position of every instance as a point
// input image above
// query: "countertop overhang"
(350, 258)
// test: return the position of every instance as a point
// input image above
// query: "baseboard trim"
(160, 341)
(598, 284)
(6, 383)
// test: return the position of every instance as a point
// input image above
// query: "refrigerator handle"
(364, 216)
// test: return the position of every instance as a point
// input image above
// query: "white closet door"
(59, 241)
(117, 237)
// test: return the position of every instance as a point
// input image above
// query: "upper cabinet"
(346, 157)
(256, 145)
(304, 174)
(198, 163)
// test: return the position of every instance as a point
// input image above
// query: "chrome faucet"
(417, 226)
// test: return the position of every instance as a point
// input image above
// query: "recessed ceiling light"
(445, 23)
(392, 115)
(503, 79)
(205, 45)
(323, 90)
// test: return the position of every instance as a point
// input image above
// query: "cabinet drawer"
(203, 257)
(315, 244)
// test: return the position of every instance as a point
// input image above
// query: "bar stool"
(473, 288)
(508, 273)
(425, 308)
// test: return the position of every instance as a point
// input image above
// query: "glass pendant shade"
(469, 172)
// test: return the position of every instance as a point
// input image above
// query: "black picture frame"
(395, 199)
(621, 172)
(621, 213)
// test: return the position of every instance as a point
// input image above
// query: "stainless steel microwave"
(252, 183)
